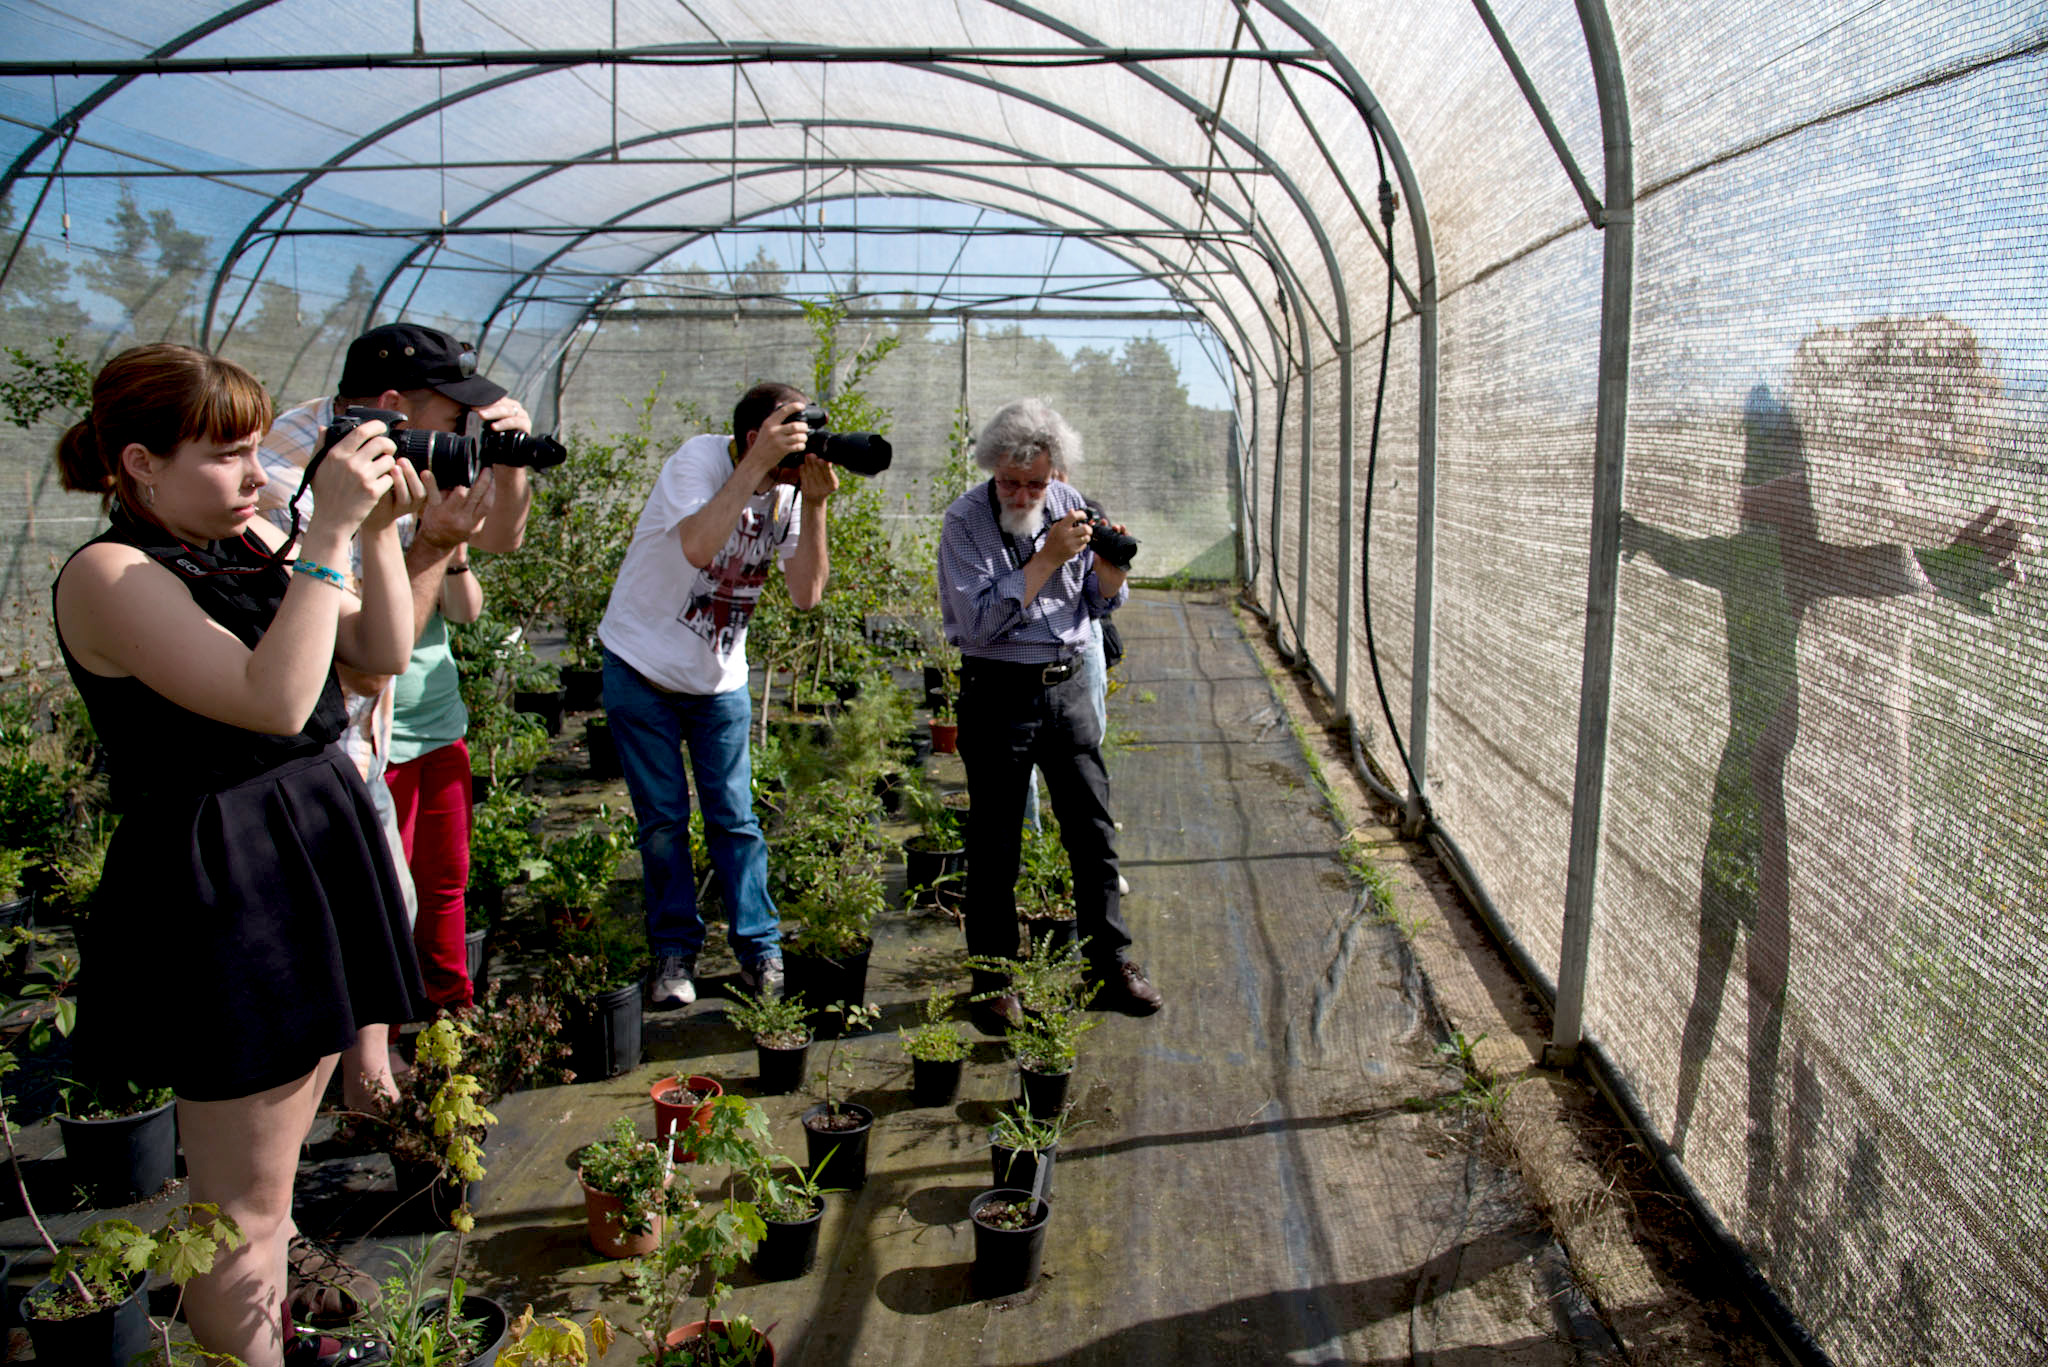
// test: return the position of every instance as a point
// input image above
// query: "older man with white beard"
(1019, 586)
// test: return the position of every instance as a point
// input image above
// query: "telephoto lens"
(864, 453)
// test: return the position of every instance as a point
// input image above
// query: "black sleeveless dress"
(249, 920)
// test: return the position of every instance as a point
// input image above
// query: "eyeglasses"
(1021, 486)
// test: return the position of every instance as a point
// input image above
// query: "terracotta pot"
(764, 1352)
(601, 1212)
(678, 1121)
(945, 737)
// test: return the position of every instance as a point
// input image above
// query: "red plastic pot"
(677, 1121)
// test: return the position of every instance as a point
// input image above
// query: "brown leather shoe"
(1125, 988)
(996, 1015)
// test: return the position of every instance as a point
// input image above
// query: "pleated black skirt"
(240, 936)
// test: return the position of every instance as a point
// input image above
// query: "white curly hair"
(1022, 431)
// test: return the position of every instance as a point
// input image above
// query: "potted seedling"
(1009, 1239)
(580, 867)
(934, 859)
(434, 1131)
(91, 1308)
(792, 1205)
(682, 1109)
(17, 907)
(1045, 886)
(627, 1190)
(835, 1130)
(120, 1138)
(705, 1242)
(937, 1047)
(829, 855)
(1022, 1148)
(1052, 986)
(945, 727)
(417, 1323)
(782, 1037)
(536, 688)
(503, 851)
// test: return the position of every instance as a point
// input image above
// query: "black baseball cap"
(405, 356)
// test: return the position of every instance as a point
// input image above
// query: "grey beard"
(1021, 522)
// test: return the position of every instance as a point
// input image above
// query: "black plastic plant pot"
(788, 1248)
(19, 913)
(583, 689)
(820, 981)
(1055, 933)
(497, 1326)
(604, 1036)
(929, 873)
(113, 1336)
(782, 1070)
(547, 706)
(124, 1160)
(427, 1199)
(917, 745)
(475, 953)
(1044, 1094)
(486, 900)
(934, 686)
(604, 752)
(1007, 1261)
(847, 1165)
(1020, 1167)
(934, 1081)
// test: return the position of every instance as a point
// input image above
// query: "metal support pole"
(1617, 289)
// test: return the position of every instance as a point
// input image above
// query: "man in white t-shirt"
(722, 512)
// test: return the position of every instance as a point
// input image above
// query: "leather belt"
(1010, 671)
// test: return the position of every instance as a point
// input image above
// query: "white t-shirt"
(685, 629)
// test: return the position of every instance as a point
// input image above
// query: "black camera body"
(454, 459)
(1116, 547)
(864, 453)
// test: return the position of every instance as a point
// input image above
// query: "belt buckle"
(1058, 672)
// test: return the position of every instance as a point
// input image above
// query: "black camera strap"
(995, 509)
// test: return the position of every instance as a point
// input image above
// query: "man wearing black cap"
(410, 729)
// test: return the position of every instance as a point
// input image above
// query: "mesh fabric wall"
(1823, 912)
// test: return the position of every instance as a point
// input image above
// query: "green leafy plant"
(439, 1118)
(42, 384)
(777, 1022)
(1045, 877)
(705, 1241)
(502, 847)
(828, 867)
(109, 1098)
(1016, 1128)
(937, 1039)
(582, 863)
(415, 1321)
(938, 825)
(13, 864)
(102, 1268)
(1052, 986)
(635, 1170)
(787, 1195)
(855, 1018)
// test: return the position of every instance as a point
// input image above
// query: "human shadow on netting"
(1770, 573)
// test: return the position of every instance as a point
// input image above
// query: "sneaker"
(1125, 988)
(673, 982)
(764, 979)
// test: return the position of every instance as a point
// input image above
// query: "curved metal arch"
(299, 186)
(773, 168)
(334, 163)
(74, 115)
(1169, 271)
(540, 268)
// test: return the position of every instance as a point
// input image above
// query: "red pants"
(432, 797)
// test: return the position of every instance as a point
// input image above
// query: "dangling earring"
(149, 496)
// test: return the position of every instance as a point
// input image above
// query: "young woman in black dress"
(249, 924)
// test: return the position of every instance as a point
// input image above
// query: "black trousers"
(1010, 722)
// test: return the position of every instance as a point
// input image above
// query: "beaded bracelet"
(319, 571)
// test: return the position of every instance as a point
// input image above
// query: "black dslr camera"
(453, 458)
(1106, 541)
(864, 453)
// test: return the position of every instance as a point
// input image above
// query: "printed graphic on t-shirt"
(730, 588)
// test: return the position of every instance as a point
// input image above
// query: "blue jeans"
(650, 728)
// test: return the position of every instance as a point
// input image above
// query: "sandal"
(321, 1290)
